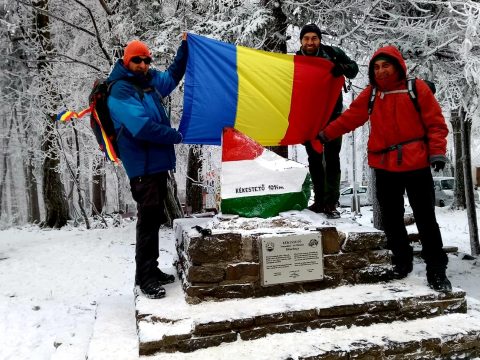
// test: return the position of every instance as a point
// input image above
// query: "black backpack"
(101, 121)
(411, 90)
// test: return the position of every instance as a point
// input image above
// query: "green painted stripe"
(268, 205)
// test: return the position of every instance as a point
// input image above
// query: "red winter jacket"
(394, 120)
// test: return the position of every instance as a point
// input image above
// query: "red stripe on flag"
(236, 146)
(315, 92)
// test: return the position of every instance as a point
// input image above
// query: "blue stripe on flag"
(211, 90)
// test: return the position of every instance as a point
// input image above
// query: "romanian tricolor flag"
(275, 99)
(256, 182)
(104, 141)
(68, 115)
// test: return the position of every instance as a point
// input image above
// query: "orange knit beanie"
(135, 48)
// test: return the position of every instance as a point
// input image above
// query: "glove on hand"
(180, 137)
(321, 136)
(438, 165)
(337, 70)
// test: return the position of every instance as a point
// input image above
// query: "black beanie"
(310, 28)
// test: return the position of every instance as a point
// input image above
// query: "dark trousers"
(419, 187)
(149, 192)
(325, 172)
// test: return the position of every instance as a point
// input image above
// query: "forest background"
(52, 51)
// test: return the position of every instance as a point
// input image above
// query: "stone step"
(452, 336)
(174, 325)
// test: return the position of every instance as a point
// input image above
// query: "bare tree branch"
(105, 7)
(97, 34)
(46, 13)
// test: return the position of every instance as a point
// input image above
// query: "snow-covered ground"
(53, 284)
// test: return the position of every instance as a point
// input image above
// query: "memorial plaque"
(291, 258)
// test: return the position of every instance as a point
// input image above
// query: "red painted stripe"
(237, 146)
(312, 101)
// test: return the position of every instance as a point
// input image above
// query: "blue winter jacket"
(144, 134)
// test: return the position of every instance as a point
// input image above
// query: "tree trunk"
(98, 189)
(32, 191)
(56, 205)
(466, 126)
(3, 180)
(173, 208)
(459, 201)
(194, 198)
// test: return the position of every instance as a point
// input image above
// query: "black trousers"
(325, 176)
(149, 192)
(418, 184)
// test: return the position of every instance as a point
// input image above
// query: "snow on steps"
(453, 336)
(171, 324)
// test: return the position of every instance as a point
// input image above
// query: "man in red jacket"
(403, 143)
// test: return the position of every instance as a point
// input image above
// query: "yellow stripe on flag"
(265, 82)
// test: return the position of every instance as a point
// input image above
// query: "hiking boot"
(401, 271)
(154, 290)
(438, 281)
(163, 278)
(316, 208)
(331, 212)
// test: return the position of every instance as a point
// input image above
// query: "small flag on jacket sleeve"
(256, 182)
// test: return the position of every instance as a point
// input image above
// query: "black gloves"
(337, 70)
(321, 136)
(438, 165)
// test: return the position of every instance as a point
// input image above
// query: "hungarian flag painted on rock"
(256, 182)
(275, 99)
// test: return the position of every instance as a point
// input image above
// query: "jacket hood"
(390, 52)
(119, 72)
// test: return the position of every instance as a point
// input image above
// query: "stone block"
(330, 262)
(252, 334)
(374, 273)
(380, 257)
(366, 351)
(331, 241)
(220, 291)
(237, 324)
(204, 342)
(342, 310)
(205, 274)
(240, 270)
(301, 316)
(351, 260)
(350, 276)
(331, 355)
(224, 247)
(333, 278)
(364, 241)
(212, 328)
(249, 249)
(383, 306)
(454, 306)
(279, 289)
(454, 344)
(269, 319)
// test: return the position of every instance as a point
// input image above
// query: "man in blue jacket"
(145, 141)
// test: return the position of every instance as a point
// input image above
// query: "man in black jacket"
(326, 177)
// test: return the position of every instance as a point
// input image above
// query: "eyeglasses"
(138, 60)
